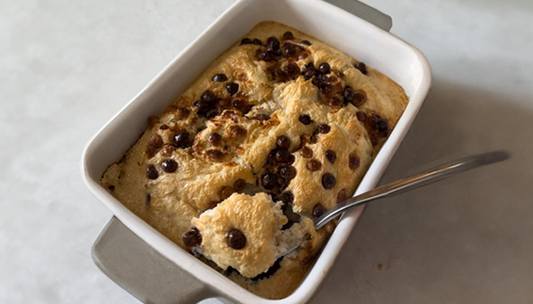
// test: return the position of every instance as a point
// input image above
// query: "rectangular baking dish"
(362, 40)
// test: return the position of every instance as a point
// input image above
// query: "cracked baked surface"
(279, 126)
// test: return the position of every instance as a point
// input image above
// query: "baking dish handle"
(140, 270)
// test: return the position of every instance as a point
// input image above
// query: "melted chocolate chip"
(353, 161)
(236, 239)
(215, 139)
(269, 180)
(241, 105)
(212, 113)
(155, 141)
(328, 181)
(335, 102)
(309, 72)
(305, 119)
(324, 68)
(182, 113)
(374, 139)
(292, 69)
(226, 192)
(165, 127)
(151, 172)
(257, 42)
(313, 165)
(214, 154)
(288, 35)
(280, 76)
(306, 152)
(287, 172)
(341, 196)
(239, 185)
(319, 210)
(359, 98)
(361, 66)
(181, 140)
(282, 156)
(381, 125)
(232, 88)
(361, 116)
(220, 78)
(267, 56)
(331, 156)
(320, 81)
(323, 129)
(148, 199)
(192, 238)
(305, 42)
(246, 41)
(283, 142)
(111, 187)
(169, 166)
(237, 131)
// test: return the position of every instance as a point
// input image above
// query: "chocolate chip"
(151, 172)
(212, 113)
(292, 69)
(155, 141)
(181, 140)
(215, 139)
(320, 81)
(236, 239)
(328, 181)
(241, 105)
(273, 43)
(335, 102)
(305, 119)
(280, 76)
(220, 78)
(239, 185)
(225, 103)
(214, 154)
(323, 129)
(111, 187)
(257, 42)
(287, 172)
(202, 106)
(287, 197)
(324, 68)
(267, 56)
(209, 97)
(361, 66)
(246, 41)
(282, 156)
(148, 199)
(381, 125)
(237, 131)
(283, 142)
(348, 94)
(164, 127)
(331, 156)
(359, 98)
(361, 116)
(226, 192)
(353, 161)
(269, 180)
(182, 113)
(313, 165)
(306, 152)
(309, 72)
(374, 139)
(232, 88)
(169, 166)
(288, 35)
(192, 238)
(305, 42)
(290, 49)
(341, 196)
(319, 210)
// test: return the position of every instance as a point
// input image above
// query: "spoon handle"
(413, 182)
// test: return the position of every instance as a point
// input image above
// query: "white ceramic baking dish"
(356, 37)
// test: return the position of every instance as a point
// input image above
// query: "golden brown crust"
(223, 136)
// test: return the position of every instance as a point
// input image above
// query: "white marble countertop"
(67, 66)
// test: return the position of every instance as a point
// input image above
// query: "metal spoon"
(441, 172)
